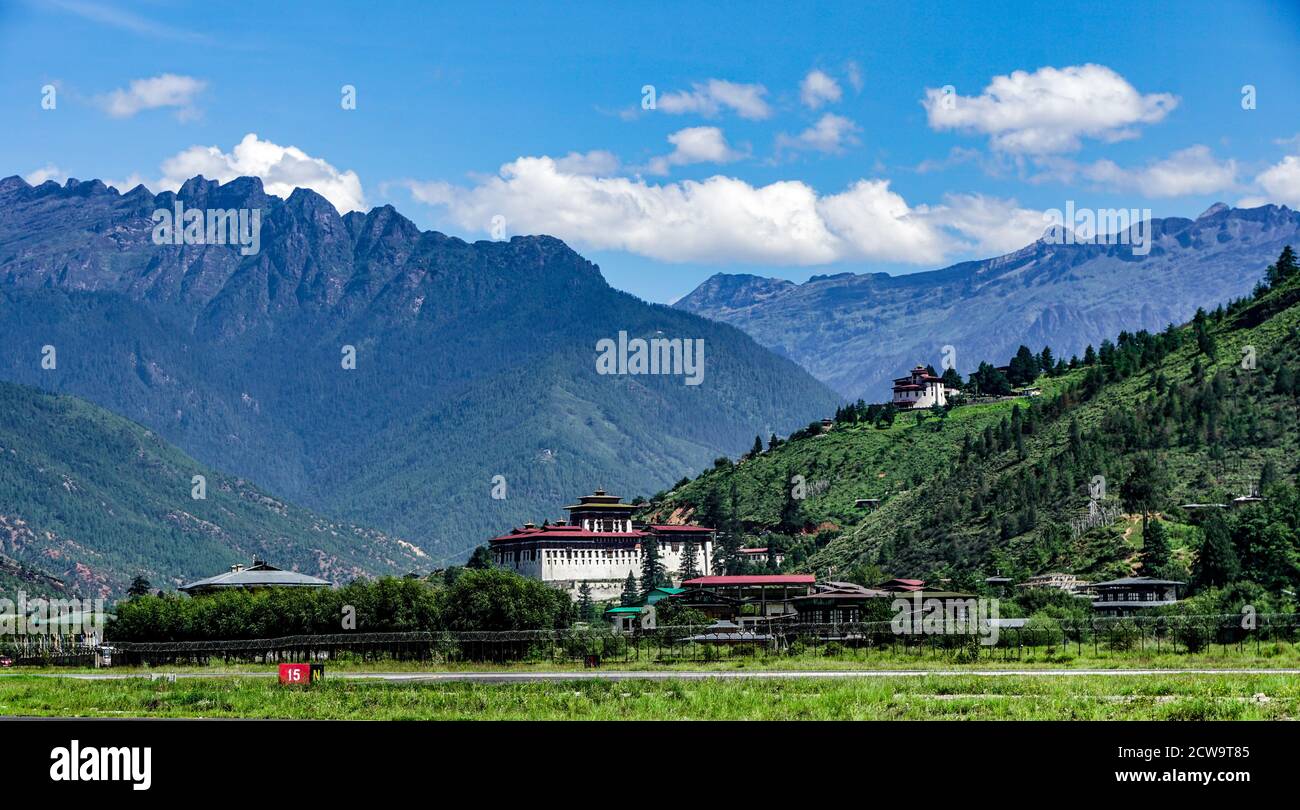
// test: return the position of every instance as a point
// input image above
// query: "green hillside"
(1166, 419)
(93, 499)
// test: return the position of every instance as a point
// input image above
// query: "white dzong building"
(600, 545)
(920, 389)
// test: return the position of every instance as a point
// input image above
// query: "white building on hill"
(920, 389)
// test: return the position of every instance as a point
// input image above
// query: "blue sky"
(783, 141)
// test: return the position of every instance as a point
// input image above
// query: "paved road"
(663, 675)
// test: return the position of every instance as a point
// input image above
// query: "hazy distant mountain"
(856, 332)
(472, 360)
(93, 499)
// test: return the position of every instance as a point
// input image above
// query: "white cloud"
(167, 90)
(597, 161)
(959, 156)
(726, 220)
(281, 168)
(831, 133)
(990, 226)
(1190, 171)
(872, 222)
(692, 145)
(709, 98)
(1050, 110)
(47, 172)
(131, 181)
(854, 74)
(818, 88)
(126, 21)
(1279, 184)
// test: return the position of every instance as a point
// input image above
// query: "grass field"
(922, 697)
(1266, 655)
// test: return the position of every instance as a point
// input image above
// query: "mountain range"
(856, 332)
(437, 390)
(1170, 424)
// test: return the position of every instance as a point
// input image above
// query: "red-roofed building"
(759, 555)
(598, 544)
(920, 389)
(903, 585)
(746, 598)
(786, 580)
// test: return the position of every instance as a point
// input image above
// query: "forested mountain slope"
(1202, 413)
(94, 499)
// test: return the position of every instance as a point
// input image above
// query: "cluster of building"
(600, 544)
(1116, 597)
(756, 601)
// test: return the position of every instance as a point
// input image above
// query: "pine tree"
(1156, 553)
(773, 549)
(1205, 341)
(586, 607)
(1268, 476)
(887, 414)
(726, 544)
(1144, 489)
(1284, 268)
(652, 567)
(951, 379)
(1048, 362)
(1217, 562)
(139, 586)
(791, 518)
(630, 595)
(690, 565)
(481, 558)
(757, 449)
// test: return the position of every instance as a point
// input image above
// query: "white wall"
(604, 569)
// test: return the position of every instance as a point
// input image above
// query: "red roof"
(904, 584)
(680, 528)
(762, 550)
(565, 533)
(757, 579)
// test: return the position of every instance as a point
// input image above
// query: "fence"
(1098, 637)
(49, 649)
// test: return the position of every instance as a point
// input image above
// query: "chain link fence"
(1135, 637)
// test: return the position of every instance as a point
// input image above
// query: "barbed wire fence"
(968, 642)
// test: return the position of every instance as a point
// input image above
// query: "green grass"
(1268, 655)
(849, 462)
(925, 697)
